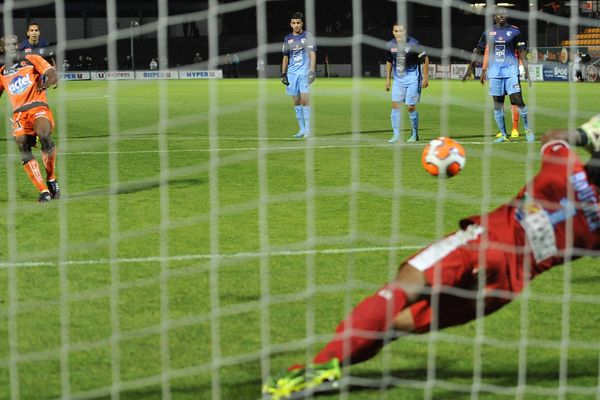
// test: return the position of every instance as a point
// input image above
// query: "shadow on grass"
(140, 186)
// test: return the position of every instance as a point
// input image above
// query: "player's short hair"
(500, 10)
(297, 15)
(31, 23)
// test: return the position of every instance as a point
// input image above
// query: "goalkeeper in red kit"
(25, 79)
(554, 218)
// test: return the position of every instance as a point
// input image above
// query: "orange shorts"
(22, 122)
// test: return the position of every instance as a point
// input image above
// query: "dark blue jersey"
(40, 48)
(405, 57)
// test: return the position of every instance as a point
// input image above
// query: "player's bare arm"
(312, 75)
(485, 65)
(474, 58)
(425, 82)
(284, 65)
(388, 76)
(523, 57)
(50, 79)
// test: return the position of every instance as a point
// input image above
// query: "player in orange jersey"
(25, 78)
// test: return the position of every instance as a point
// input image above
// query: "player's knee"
(47, 143)
(411, 108)
(25, 143)
(517, 100)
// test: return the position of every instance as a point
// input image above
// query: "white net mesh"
(198, 249)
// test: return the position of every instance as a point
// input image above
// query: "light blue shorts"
(298, 84)
(504, 86)
(409, 93)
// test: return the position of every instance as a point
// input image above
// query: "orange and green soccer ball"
(443, 157)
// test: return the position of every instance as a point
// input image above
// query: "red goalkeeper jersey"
(557, 211)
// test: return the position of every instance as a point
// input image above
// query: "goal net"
(198, 248)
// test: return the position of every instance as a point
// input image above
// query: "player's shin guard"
(515, 116)
(306, 112)
(414, 121)
(361, 335)
(523, 113)
(395, 118)
(32, 169)
(300, 117)
(499, 117)
(49, 159)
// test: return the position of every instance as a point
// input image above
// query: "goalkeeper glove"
(311, 77)
(284, 79)
(592, 131)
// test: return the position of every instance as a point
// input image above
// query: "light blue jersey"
(298, 49)
(503, 42)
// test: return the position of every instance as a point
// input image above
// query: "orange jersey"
(21, 79)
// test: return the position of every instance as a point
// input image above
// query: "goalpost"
(198, 249)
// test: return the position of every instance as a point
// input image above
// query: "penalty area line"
(193, 257)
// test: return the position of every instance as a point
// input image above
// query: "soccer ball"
(443, 157)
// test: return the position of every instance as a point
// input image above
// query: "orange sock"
(515, 117)
(49, 160)
(35, 175)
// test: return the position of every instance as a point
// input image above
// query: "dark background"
(238, 31)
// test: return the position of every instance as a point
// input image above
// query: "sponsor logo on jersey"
(588, 200)
(394, 49)
(19, 84)
(290, 41)
(509, 34)
(493, 33)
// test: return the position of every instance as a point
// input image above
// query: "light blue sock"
(499, 117)
(300, 117)
(523, 114)
(306, 111)
(395, 118)
(414, 121)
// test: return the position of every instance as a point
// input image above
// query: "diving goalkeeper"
(555, 217)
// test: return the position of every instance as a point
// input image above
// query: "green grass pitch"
(198, 246)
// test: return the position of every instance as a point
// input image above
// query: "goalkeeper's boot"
(394, 138)
(299, 135)
(45, 197)
(53, 188)
(501, 139)
(515, 133)
(529, 136)
(299, 382)
(499, 135)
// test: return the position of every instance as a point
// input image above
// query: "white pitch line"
(192, 257)
(241, 149)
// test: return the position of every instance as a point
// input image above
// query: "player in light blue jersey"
(298, 70)
(404, 57)
(477, 57)
(501, 68)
